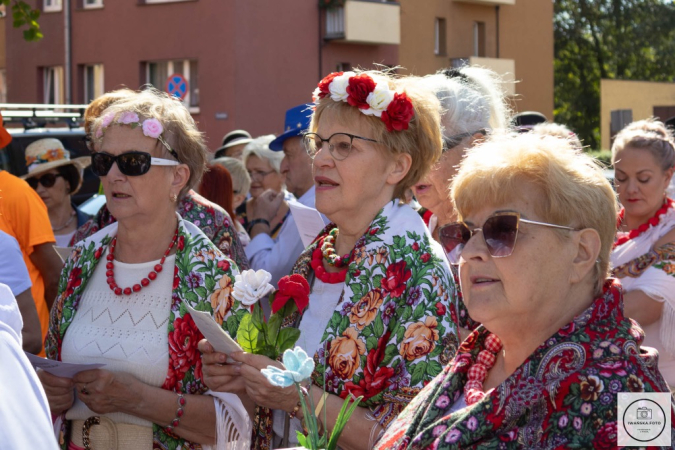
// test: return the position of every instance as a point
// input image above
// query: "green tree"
(25, 16)
(615, 39)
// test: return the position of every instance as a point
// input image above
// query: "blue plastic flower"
(299, 367)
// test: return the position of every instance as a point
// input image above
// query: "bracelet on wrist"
(298, 406)
(255, 222)
(179, 414)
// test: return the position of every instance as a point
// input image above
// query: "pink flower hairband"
(372, 98)
(151, 127)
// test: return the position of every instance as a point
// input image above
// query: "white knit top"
(128, 333)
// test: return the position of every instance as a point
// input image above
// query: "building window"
(93, 82)
(439, 37)
(52, 85)
(479, 39)
(158, 72)
(52, 5)
(92, 4)
(343, 67)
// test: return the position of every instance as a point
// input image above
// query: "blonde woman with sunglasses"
(545, 368)
(124, 290)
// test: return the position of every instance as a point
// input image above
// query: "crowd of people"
(479, 282)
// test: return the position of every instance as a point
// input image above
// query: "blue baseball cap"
(296, 123)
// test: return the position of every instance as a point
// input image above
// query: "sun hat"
(296, 123)
(236, 137)
(49, 153)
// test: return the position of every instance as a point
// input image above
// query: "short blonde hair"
(180, 130)
(422, 140)
(241, 180)
(576, 191)
(260, 147)
(649, 134)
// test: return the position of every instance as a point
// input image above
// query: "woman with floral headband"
(545, 368)
(124, 290)
(643, 257)
(378, 321)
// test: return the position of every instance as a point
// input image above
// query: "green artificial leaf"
(302, 439)
(341, 421)
(247, 335)
(287, 339)
(273, 326)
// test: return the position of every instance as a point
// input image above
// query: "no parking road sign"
(177, 86)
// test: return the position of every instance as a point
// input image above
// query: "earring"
(174, 198)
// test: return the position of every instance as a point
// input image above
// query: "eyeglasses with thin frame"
(339, 144)
(500, 232)
(132, 164)
(47, 180)
(451, 142)
(259, 174)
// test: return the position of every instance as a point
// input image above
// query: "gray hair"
(260, 147)
(241, 180)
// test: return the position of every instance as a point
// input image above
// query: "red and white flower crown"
(372, 98)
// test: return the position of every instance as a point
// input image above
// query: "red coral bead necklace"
(320, 271)
(632, 234)
(110, 272)
(477, 373)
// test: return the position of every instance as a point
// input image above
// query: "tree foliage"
(615, 39)
(25, 16)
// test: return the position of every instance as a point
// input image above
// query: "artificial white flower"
(250, 286)
(338, 87)
(378, 100)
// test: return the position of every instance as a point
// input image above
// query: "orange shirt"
(24, 216)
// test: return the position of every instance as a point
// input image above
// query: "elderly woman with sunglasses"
(377, 321)
(554, 349)
(124, 293)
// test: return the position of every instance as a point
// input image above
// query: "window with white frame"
(439, 36)
(93, 82)
(479, 39)
(158, 72)
(52, 85)
(52, 5)
(91, 4)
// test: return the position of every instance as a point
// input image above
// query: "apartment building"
(242, 63)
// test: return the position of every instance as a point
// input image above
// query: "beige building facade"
(512, 37)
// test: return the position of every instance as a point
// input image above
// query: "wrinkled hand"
(261, 391)
(60, 391)
(106, 392)
(217, 374)
(266, 206)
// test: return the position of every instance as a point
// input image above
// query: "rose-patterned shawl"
(197, 260)
(392, 330)
(212, 219)
(563, 396)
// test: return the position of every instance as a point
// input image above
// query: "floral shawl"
(563, 396)
(212, 219)
(391, 332)
(203, 279)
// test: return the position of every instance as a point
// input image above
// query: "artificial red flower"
(323, 84)
(295, 287)
(183, 351)
(396, 278)
(358, 88)
(399, 113)
(374, 378)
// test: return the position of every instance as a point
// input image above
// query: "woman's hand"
(106, 392)
(259, 389)
(218, 375)
(60, 391)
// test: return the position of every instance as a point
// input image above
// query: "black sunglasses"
(131, 164)
(500, 232)
(47, 180)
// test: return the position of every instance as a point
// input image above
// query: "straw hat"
(49, 153)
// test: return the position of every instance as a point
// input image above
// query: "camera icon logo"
(644, 413)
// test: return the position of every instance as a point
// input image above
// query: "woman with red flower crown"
(643, 257)
(377, 277)
(123, 295)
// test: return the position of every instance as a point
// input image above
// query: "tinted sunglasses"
(500, 232)
(453, 141)
(47, 180)
(131, 164)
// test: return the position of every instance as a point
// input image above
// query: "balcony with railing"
(365, 22)
(506, 68)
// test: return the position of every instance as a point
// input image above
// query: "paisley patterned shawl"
(563, 396)
(203, 279)
(392, 330)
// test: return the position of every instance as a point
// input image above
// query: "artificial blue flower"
(298, 367)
